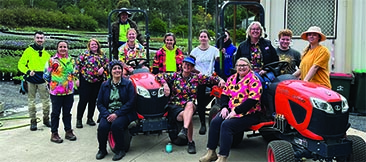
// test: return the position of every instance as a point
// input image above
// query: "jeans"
(224, 130)
(63, 103)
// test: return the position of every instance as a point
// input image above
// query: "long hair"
(99, 50)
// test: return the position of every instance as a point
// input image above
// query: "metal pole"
(189, 26)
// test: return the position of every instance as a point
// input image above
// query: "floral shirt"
(59, 73)
(185, 89)
(239, 91)
(256, 55)
(88, 64)
(126, 53)
(160, 59)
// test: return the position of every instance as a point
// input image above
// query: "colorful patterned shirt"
(256, 55)
(160, 59)
(59, 73)
(126, 53)
(248, 87)
(185, 89)
(88, 65)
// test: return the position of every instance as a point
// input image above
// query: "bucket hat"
(314, 29)
(190, 60)
(128, 13)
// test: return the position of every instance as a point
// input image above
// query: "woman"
(228, 50)
(235, 117)
(115, 104)
(59, 74)
(315, 58)
(184, 87)
(131, 49)
(168, 58)
(92, 71)
(258, 51)
(205, 55)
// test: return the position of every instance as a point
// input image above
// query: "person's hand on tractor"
(231, 114)
(166, 89)
(224, 112)
(112, 117)
(221, 83)
(262, 72)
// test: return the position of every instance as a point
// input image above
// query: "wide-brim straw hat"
(313, 29)
(128, 13)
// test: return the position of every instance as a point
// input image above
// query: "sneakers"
(191, 148)
(79, 123)
(33, 125)
(183, 133)
(202, 129)
(56, 138)
(70, 135)
(90, 122)
(101, 154)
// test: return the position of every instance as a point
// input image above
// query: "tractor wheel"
(280, 150)
(126, 140)
(358, 149)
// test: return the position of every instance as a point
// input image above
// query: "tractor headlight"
(322, 105)
(142, 92)
(160, 92)
(344, 105)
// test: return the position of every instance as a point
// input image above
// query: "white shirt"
(205, 59)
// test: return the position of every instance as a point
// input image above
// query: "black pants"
(202, 101)
(63, 103)
(117, 127)
(88, 93)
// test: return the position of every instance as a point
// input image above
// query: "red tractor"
(303, 120)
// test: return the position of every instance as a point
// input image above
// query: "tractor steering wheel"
(135, 63)
(276, 67)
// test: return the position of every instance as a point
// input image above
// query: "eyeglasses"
(242, 65)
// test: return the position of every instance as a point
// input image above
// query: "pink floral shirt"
(249, 87)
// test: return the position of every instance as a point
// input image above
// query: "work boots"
(46, 121)
(33, 124)
(56, 138)
(209, 156)
(221, 159)
(70, 135)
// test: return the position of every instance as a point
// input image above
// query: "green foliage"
(157, 27)
(240, 35)
(11, 3)
(180, 30)
(123, 3)
(21, 17)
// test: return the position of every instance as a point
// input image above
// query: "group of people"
(102, 83)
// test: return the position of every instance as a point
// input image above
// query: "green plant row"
(49, 44)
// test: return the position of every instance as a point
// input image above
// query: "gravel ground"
(15, 101)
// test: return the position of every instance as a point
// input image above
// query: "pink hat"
(314, 29)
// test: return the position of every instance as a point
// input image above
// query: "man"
(286, 53)
(32, 64)
(119, 31)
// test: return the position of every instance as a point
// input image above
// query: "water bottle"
(169, 148)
